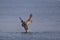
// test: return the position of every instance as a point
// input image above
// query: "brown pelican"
(25, 24)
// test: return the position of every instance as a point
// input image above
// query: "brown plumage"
(25, 24)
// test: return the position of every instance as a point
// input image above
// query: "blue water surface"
(30, 36)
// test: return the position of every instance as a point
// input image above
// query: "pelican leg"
(26, 29)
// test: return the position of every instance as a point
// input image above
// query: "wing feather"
(29, 21)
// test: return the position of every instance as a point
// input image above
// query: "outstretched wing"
(29, 21)
(21, 19)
